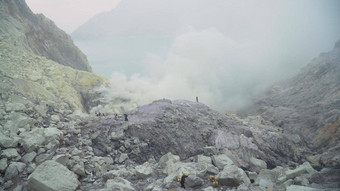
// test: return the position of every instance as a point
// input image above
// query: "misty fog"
(224, 52)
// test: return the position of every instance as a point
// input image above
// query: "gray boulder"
(302, 169)
(14, 169)
(144, 171)
(301, 188)
(221, 160)
(256, 164)
(232, 176)
(32, 140)
(52, 176)
(29, 157)
(194, 181)
(204, 159)
(119, 184)
(8, 142)
(267, 178)
(10, 154)
(3, 164)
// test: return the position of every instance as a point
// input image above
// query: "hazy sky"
(70, 14)
(227, 52)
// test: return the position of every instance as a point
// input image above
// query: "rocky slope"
(151, 150)
(20, 27)
(309, 105)
(48, 142)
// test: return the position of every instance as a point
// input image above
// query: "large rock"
(232, 176)
(14, 107)
(194, 181)
(3, 164)
(267, 178)
(10, 154)
(29, 157)
(14, 169)
(52, 134)
(204, 159)
(119, 184)
(301, 188)
(52, 176)
(221, 160)
(256, 164)
(32, 140)
(144, 171)
(166, 162)
(7, 142)
(302, 169)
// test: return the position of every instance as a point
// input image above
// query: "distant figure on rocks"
(184, 176)
(196, 98)
(98, 114)
(126, 117)
(322, 165)
(116, 116)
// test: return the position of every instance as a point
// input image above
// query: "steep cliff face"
(39, 62)
(20, 27)
(309, 103)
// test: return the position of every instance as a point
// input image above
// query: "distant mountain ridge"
(309, 103)
(19, 25)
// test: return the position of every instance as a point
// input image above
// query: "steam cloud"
(226, 55)
(200, 63)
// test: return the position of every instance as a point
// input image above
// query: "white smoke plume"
(201, 63)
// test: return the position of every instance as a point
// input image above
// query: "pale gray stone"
(167, 160)
(119, 184)
(32, 140)
(8, 184)
(204, 159)
(301, 188)
(11, 172)
(267, 178)
(194, 181)
(210, 150)
(256, 164)
(8, 142)
(41, 158)
(144, 171)
(29, 157)
(232, 176)
(31, 167)
(14, 107)
(211, 169)
(52, 134)
(79, 169)
(301, 180)
(55, 118)
(52, 176)
(252, 175)
(3, 164)
(302, 169)
(209, 189)
(10, 154)
(221, 160)
(41, 150)
(123, 157)
(18, 188)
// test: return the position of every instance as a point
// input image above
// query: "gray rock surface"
(232, 176)
(256, 164)
(294, 104)
(220, 161)
(52, 176)
(119, 184)
(44, 39)
(194, 181)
